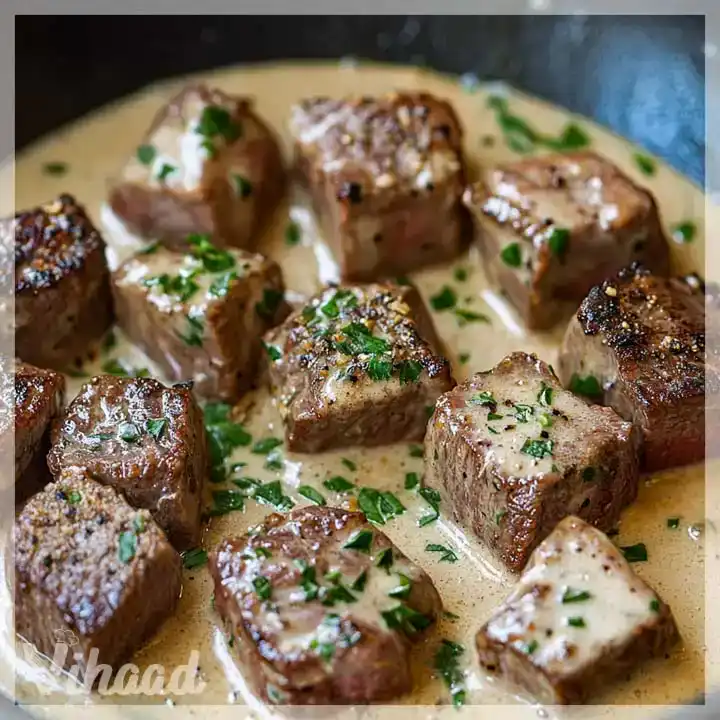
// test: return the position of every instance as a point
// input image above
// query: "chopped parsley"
(269, 304)
(115, 367)
(468, 316)
(406, 619)
(194, 334)
(74, 497)
(460, 274)
(545, 420)
(358, 340)
(402, 590)
(55, 168)
(411, 480)
(271, 493)
(349, 464)
(545, 396)
(226, 501)
(384, 559)
(410, 371)
(447, 665)
(109, 341)
(292, 233)
(339, 484)
(360, 581)
(213, 259)
(156, 427)
(379, 369)
(263, 588)
(264, 446)
(645, 164)
(531, 647)
(432, 498)
(127, 546)
(243, 187)
(463, 358)
(537, 448)
(311, 494)
(446, 554)
(577, 622)
(573, 596)
(165, 170)
(416, 451)
(194, 558)
(523, 412)
(183, 286)
(655, 605)
(635, 553)
(216, 121)
(511, 255)
(273, 352)
(129, 432)
(588, 385)
(145, 154)
(444, 300)
(220, 286)
(379, 506)
(499, 515)
(673, 523)
(684, 232)
(483, 398)
(360, 541)
(558, 241)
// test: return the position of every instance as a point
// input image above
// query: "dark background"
(642, 76)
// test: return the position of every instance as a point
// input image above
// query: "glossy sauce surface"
(471, 587)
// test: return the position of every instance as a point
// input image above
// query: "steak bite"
(577, 618)
(39, 399)
(515, 453)
(322, 607)
(358, 365)
(551, 227)
(208, 164)
(201, 316)
(637, 344)
(145, 440)
(87, 567)
(386, 177)
(63, 303)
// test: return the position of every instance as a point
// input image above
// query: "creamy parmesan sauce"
(97, 146)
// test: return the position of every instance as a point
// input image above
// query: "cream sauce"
(98, 145)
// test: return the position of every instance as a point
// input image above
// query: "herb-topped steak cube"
(638, 345)
(578, 618)
(551, 227)
(201, 316)
(63, 303)
(39, 398)
(145, 440)
(90, 572)
(208, 164)
(322, 608)
(386, 177)
(516, 453)
(358, 365)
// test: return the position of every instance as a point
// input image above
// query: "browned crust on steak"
(159, 209)
(369, 661)
(165, 475)
(39, 399)
(70, 579)
(224, 359)
(385, 175)
(325, 389)
(609, 220)
(592, 471)
(643, 338)
(62, 288)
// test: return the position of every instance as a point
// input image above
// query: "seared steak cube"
(516, 453)
(552, 227)
(201, 316)
(145, 440)
(39, 399)
(577, 618)
(358, 365)
(637, 344)
(90, 572)
(208, 164)
(322, 608)
(386, 177)
(63, 302)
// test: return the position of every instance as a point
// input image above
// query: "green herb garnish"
(673, 523)
(684, 232)
(444, 300)
(156, 427)
(416, 451)
(379, 507)
(145, 154)
(226, 501)
(635, 553)
(545, 396)
(402, 590)
(129, 432)
(537, 448)
(645, 164)
(264, 446)
(165, 170)
(220, 286)
(360, 541)
(511, 255)
(263, 588)
(127, 546)
(360, 581)
(216, 121)
(432, 498)
(292, 233)
(406, 619)
(410, 371)
(271, 494)
(460, 274)
(483, 398)
(411, 480)
(379, 369)
(339, 484)
(311, 494)
(558, 241)
(468, 316)
(269, 304)
(194, 334)
(446, 554)
(588, 386)
(384, 559)
(243, 187)
(447, 665)
(577, 622)
(655, 605)
(349, 464)
(572, 596)
(194, 558)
